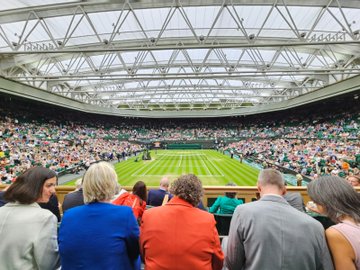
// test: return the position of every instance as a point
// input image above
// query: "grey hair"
(100, 182)
(271, 177)
(338, 198)
(189, 188)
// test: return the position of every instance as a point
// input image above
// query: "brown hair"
(28, 186)
(139, 189)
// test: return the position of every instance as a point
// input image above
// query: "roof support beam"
(114, 48)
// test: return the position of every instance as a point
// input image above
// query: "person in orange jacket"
(178, 235)
(136, 200)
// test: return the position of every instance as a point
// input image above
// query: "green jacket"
(225, 205)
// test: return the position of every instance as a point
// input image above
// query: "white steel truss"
(180, 55)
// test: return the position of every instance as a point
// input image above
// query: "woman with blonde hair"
(99, 235)
(335, 198)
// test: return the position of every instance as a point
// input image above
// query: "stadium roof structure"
(157, 58)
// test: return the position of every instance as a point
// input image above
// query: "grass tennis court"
(212, 167)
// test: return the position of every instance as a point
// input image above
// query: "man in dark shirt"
(156, 197)
(73, 199)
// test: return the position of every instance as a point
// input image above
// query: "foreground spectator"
(270, 234)
(99, 235)
(28, 233)
(336, 199)
(178, 235)
(160, 196)
(226, 204)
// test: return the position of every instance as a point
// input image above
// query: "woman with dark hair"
(335, 198)
(136, 200)
(226, 204)
(29, 233)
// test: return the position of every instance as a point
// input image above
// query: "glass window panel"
(105, 22)
(152, 19)
(59, 25)
(16, 4)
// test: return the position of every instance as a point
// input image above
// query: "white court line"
(150, 167)
(191, 166)
(216, 167)
(206, 166)
(163, 156)
(175, 175)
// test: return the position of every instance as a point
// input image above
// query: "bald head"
(164, 183)
(271, 181)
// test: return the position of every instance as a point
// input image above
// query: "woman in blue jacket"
(99, 235)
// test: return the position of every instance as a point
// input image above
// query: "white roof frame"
(190, 56)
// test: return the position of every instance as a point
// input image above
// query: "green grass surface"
(213, 168)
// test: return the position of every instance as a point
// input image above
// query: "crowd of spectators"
(310, 142)
(307, 157)
(177, 233)
(309, 149)
(55, 146)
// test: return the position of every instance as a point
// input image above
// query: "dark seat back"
(325, 221)
(223, 223)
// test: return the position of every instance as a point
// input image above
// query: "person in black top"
(52, 205)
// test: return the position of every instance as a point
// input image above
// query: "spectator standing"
(270, 234)
(99, 235)
(28, 233)
(336, 199)
(180, 234)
